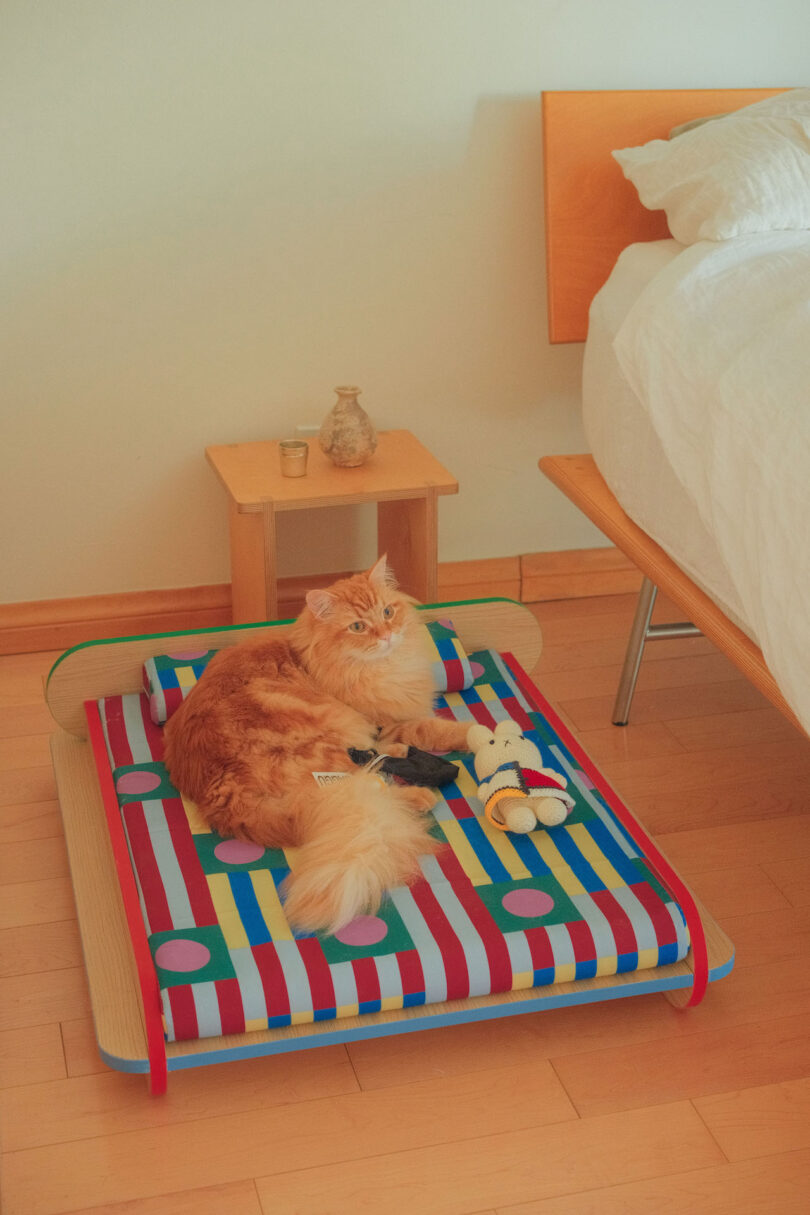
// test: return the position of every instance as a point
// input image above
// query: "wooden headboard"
(592, 211)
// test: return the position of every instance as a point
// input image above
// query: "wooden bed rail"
(580, 480)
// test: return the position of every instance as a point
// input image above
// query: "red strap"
(147, 978)
(658, 863)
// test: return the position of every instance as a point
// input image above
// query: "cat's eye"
(388, 612)
(357, 626)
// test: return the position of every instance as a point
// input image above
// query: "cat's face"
(363, 617)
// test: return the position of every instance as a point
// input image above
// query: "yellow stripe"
(595, 856)
(227, 914)
(390, 1002)
(252, 1024)
(606, 966)
(556, 863)
(196, 822)
(270, 904)
(506, 853)
(467, 785)
(454, 699)
(465, 852)
(302, 1018)
(486, 692)
(566, 972)
(523, 980)
(347, 1010)
(647, 958)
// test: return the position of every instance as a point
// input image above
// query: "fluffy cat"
(352, 672)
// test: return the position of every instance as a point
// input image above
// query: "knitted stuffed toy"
(518, 793)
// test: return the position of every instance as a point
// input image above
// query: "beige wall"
(213, 212)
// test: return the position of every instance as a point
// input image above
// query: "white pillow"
(748, 172)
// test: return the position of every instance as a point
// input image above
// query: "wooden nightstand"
(402, 477)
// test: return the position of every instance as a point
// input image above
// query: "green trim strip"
(231, 628)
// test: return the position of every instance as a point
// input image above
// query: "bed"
(188, 955)
(695, 365)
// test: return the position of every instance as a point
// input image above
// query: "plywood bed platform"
(122, 982)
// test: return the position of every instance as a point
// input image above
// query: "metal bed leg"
(642, 632)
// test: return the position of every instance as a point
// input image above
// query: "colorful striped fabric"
(168, 678)
(491, 912)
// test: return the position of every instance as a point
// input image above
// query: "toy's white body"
(518, 793)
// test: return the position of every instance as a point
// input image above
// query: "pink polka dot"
(238, 852)
(137, 782)
(586, 780)
(447, 624)
(182, 954)
(186, 655)
(476, 669)
(526, 902)
(364, 930)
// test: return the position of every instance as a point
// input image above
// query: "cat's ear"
(380, 575)
(320, 603)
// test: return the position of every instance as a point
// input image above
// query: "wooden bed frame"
(119, 989)
(592, 213)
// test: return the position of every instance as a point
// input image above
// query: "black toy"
(415, 768)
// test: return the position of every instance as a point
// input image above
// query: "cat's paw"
(418, 797)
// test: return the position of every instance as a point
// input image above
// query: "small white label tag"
(328, 778)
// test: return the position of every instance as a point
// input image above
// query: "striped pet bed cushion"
(491, 912)
(168, 678)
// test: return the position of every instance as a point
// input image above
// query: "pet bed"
(190, 958)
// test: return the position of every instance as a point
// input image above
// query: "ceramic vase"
(347, 435)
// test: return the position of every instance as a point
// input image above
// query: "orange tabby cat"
(352, 672)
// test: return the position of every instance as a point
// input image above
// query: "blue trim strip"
(408, 1025)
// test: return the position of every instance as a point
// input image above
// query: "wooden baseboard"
(57, 624)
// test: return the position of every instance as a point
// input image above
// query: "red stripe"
(482, 714)
(151, 883)
(460, 807)
(453, 959)
(657, 862)
(150, 993)
(184, 1012)
(620, 923)
(454, 674)
(542, 954)
(231, 1009)
(320, 977)
(120, 750)
(367, 979)
(274, 984)
(194, 879)
(517, 712)
(500, 966)
(154, 734)
(411, 973)
(661, 919)
(582, 941)
(174, 698)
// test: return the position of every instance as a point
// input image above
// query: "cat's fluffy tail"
(362, 838)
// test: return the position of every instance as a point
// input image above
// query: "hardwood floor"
(625, 1106)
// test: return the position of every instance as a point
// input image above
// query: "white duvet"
(718, 347)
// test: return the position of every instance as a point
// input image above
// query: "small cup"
(293, 456)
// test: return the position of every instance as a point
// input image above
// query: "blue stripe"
(588, 876)
(526, 849)
(249, 911)
(482, 848)
(610, 849)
